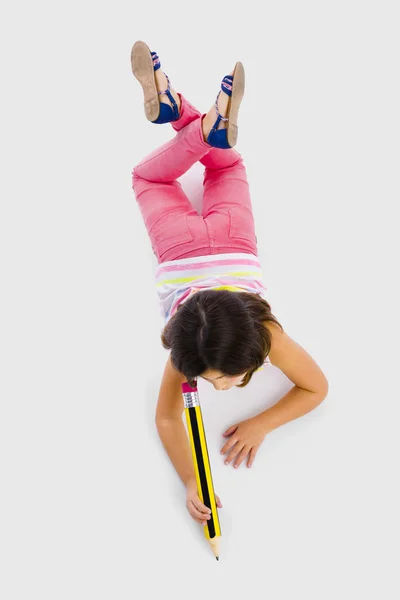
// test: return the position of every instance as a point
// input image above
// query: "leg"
(171, 221)
(227, 208)
(216, 158)
(162, 100)
(174, 227)
(218, 162)
(174, 158)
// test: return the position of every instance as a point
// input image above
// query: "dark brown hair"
(221, 330)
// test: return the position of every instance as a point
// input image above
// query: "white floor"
(90, 506)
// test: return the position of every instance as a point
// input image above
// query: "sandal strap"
(220, 117)
(168, 88)
(226, 87)
(226, 84)
(156, 60)
(157, 65)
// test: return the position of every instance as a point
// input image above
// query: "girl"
(218, 323)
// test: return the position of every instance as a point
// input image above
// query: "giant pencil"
(201, 462)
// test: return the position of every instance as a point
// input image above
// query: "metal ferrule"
(191, 399)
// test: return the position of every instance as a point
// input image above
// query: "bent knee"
(135, 176)
(135, 172)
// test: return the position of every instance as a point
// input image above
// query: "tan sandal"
(144, 64)
(233, 86)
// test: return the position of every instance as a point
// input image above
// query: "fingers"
(229, 445)
(235, 451)
(218, 501)
(201, 521)
(229, 448)
(199, 512)
(241, 456)
(230, 430)
(252, 455)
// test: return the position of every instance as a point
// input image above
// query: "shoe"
(233, 85)
(144, 64)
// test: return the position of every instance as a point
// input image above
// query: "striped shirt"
(178, 280)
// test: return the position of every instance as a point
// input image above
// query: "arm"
(310, 384)
(169, 423)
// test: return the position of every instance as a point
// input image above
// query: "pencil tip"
(217, 557)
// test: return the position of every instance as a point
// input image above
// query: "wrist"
(264, 421)
(191, 481)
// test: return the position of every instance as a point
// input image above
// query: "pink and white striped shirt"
(177, 280)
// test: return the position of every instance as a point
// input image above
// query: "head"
(220, 336)
(220, 381)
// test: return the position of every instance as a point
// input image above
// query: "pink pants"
(174, 227)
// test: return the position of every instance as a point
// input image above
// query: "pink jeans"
(174, 227)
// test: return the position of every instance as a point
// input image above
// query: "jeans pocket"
(170, 230)
(241, 224)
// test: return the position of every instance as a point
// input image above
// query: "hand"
(199, 511)
(246, 438)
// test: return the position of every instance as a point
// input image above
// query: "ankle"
(177, 100)
(205, 127)
(163, 84)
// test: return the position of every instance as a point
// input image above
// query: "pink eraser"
(186, 388)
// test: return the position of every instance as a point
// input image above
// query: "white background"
(90, 506)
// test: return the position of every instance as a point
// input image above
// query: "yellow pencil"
(201, 462)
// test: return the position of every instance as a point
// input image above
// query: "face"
(221, 381)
